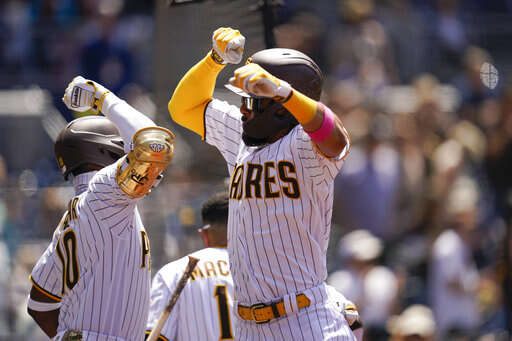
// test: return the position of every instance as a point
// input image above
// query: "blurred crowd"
(423, 205)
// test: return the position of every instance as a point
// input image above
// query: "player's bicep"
(223, 128)
(316, 165)
(46, 276)
(192, 119)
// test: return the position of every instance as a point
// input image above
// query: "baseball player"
(205, 307)
(283, 149)
(93, 280)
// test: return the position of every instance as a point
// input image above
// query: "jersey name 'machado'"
(260, 181)
(209, 269)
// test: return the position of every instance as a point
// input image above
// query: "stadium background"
(431, 143)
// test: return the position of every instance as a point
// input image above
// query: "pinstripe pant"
(323, 320)
(310, 324)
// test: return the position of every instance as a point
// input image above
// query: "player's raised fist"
(253, 79)
(83, 94)
(228, 45)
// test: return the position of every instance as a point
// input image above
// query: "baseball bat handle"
(162, 319)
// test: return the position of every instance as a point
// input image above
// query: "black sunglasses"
(256, 104)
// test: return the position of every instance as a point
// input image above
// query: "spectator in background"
(103, 57)
(15, 41)
(372, 287)
(454, 277)
(20, 322)
(304, 32)
(359, 47)
(416, 323)
(497, 120)
(54, 47)
(372, 172)
(452, 36)
(408, 34)
(469, 83)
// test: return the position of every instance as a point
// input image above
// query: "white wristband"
(42, 306)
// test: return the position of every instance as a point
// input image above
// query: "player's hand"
(253, 79)
(83, 94)
(228, 45)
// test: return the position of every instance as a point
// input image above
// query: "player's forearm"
(127, 119)
(325, 128)
(44, 310)
(48, 321)
(193, 93)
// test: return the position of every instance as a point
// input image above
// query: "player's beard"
(267, 127)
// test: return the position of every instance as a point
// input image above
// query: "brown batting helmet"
(294, 67)
(87, 143)
(273, 120)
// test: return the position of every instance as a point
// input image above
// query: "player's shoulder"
(106, 175)
(177, 262)
(217, 106)
(211, 253)
(104, 186)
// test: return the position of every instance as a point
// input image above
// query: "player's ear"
(204, 235)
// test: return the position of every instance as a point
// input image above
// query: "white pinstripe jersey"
(204, 310)
(281, 198)
(98, 264)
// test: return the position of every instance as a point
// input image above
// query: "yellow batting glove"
(228, 45)
(253, 79)
(83, 94)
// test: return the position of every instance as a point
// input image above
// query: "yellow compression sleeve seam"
(193, 93)
(301, 106)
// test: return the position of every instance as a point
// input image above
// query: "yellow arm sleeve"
(301, 106)
(193, 93)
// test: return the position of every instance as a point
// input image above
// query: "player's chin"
(254, 129)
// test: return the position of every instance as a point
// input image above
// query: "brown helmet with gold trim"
(272, 120)
(87, 143)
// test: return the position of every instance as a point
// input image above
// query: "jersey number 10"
(70, 272)
(68, 258)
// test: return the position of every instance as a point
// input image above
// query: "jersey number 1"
(224, 319)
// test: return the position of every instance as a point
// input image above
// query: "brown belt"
(261, 312)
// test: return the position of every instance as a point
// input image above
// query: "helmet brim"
(237, 90)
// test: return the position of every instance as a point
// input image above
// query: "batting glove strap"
(82, 95)
(216, 58)
(228, 46)
(100, 93)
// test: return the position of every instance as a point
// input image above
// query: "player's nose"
(246, 113)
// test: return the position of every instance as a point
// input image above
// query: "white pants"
(87, 335)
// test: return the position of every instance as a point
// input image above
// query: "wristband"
(42, 306)
(286, 99)
(217, 58)
(98, 103)
(322, 133)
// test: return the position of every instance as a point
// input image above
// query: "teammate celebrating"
(93, 280)
(283, 149)
(204, 310)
